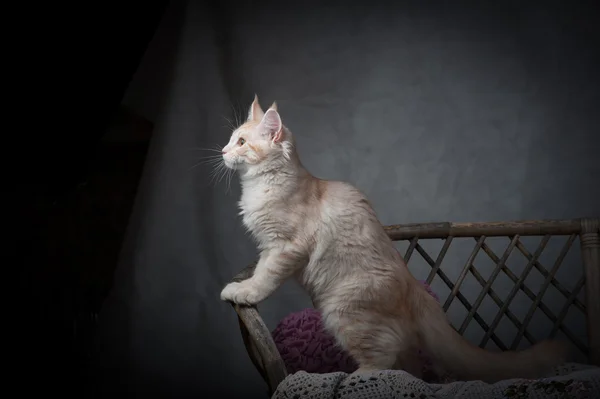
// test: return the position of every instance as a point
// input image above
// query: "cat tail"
(451, 353)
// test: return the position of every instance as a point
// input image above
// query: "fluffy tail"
(451, 352)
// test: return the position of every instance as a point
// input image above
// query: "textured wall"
(437, 113)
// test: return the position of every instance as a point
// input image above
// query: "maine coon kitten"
(326, 234)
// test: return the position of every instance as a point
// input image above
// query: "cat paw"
(240, 293)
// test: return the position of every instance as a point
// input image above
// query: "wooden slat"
(544, 272)
(541, 305)
(590, 255)
(464, 272)
(439, 260)
(498, 302)
(490, 229)
(566, 306)
(489, 283)
(538, 298)
(411, 248)
(516, 288)
(460, 297)
(258, 340)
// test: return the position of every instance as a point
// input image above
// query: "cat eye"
(241, 141)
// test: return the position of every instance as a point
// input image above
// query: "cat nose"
(224, 152)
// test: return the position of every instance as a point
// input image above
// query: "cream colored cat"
(326, 234)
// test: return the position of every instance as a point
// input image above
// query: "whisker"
(195, 165)
(212, 162)
(216, 166)
(238, 116)
(223, 174)
(230, 124)
(226, 178)
(209, 161)
(215, 158)
(216, 148)
(213, 177)
(212, 157)
(219, 172)
(233, 112)
(240, 112)
(204, 149)
(216, 174)
(229, 178)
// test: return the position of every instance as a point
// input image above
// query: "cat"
(327, 235)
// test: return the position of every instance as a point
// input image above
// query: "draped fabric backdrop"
(438, 111)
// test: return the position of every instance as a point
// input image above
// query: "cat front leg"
(273, 268)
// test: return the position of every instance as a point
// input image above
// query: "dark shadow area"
(74, 185)
(110, 362)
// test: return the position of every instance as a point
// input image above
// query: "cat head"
(261, 140)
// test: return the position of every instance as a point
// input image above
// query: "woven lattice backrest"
(517, 288)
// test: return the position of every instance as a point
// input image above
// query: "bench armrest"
(258, 340)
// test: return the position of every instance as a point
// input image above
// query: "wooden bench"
(267, 360)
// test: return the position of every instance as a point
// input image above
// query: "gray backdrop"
(438, 113)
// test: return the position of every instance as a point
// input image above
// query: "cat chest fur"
(266, 215)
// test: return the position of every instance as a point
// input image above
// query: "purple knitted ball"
(305, 345)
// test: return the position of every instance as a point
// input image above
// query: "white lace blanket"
(569, 381)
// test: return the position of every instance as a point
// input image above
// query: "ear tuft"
(255, 113)
(274, 106)
(271, 125)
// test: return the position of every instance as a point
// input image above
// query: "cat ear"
(255, 113)
(271, 125)
(274, 106)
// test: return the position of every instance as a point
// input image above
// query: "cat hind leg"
(372, 347)
(382, 348)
